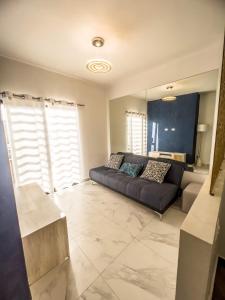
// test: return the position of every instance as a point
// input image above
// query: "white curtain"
(44, 141)
(136, 133)
(28, 141)
(63, 133)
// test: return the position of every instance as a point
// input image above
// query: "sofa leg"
(160, 215)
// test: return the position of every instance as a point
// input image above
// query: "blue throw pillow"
(131, 169)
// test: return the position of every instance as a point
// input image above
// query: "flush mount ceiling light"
(169, 97)
(99, 66)
(98, 41)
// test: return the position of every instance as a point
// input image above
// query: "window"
(136, 133)
(44, 143)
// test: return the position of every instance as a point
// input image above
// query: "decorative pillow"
(156, 171)
(114, 161)
(131, 169)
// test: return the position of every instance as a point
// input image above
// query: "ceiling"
(204, 82)
(139, 34)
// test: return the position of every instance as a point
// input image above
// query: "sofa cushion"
(111, 178)
(175, 173)
(135, 159)
(118, 181)
(114, 161)
(158, 196)
(98, 174)
(131, 169)
(134, 189)
(156, 171)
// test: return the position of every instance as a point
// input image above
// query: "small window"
(136, 133)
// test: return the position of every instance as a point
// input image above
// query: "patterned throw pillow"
(114, 161)
(131, 169)
(156, 171)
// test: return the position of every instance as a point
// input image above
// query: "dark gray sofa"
(156, 196)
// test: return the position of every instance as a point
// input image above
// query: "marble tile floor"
(119, 249)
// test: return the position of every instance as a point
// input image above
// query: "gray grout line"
(133, 239)
(124, 229)
(90, 264)
(100, 273)
(99, 276)
(157, 253)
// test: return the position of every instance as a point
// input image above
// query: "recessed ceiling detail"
(99, 66)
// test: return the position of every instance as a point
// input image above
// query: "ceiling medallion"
(169, 97)
(99, 66)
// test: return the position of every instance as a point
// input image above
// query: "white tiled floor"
(119, 248)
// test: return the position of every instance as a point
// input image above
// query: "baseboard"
(85, 179)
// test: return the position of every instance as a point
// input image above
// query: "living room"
(112, 148)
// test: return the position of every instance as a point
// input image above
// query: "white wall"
(206, 116)
(118, 126)
(22, 78)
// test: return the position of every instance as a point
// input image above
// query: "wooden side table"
(171, 155)
(43, 230)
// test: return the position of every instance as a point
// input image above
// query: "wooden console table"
(171, 155)
(43, 230)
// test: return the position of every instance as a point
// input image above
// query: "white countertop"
(201, 221)
(35, 209)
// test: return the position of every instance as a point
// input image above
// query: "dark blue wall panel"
(172, 125)
(13, 277)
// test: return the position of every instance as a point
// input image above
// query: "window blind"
(136, 133)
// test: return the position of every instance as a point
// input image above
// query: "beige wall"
(118, 127)
(118, 121)
(207, 212)
(173, 70)
(22, 78)
(206, 116)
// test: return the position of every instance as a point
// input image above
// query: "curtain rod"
(24, 96)
(134, 113)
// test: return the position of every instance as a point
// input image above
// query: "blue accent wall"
(172, 125)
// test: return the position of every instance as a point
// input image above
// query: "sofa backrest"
(175, 173)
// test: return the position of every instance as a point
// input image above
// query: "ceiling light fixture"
(99, 66)
(98, 41)
(169, 97)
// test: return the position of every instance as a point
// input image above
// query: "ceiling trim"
(194, 63)
(52, 70)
